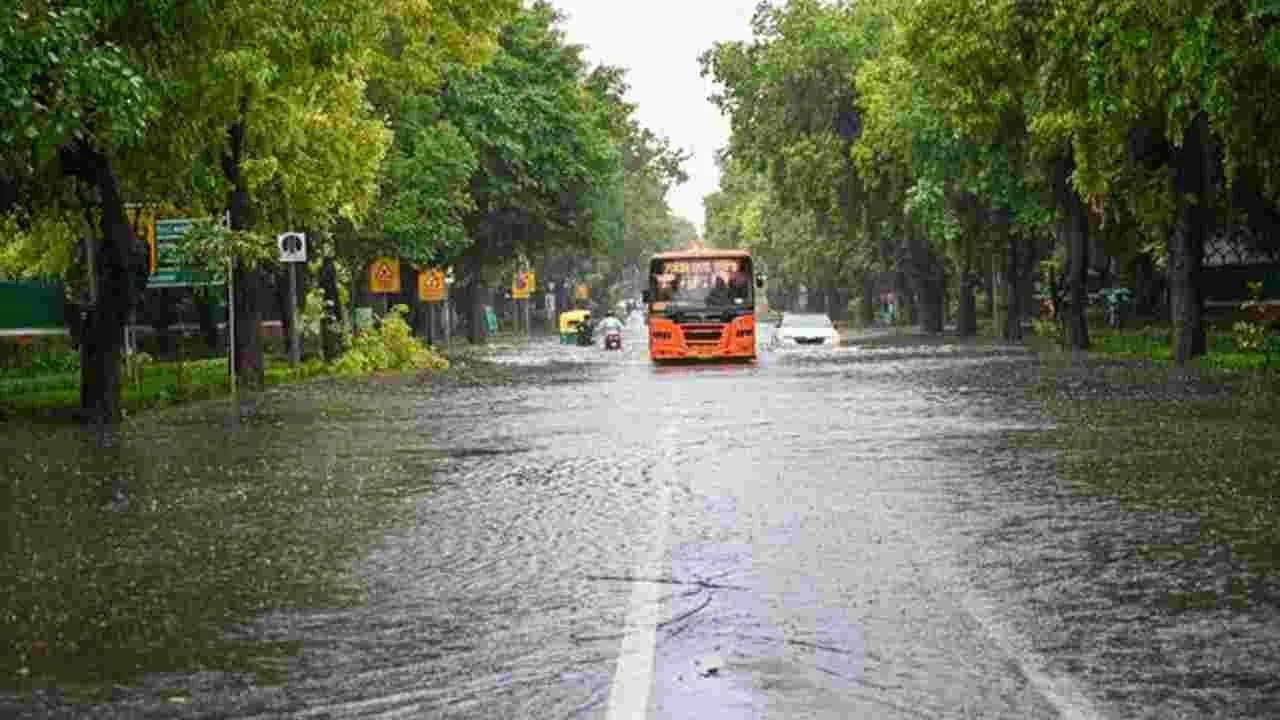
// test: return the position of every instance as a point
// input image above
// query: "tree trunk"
(475, 298)
(927, 275)
(1012, 274)
(990, 286)
(1073, 232)
(904, 306)
(206, 314)
(935, 315)
(1146, 286)
(120, 270)
(815, 299)
(867, 308)
(967, 322)
(248, 303)
(1186, 242)
(1030, 259)
(837, 305)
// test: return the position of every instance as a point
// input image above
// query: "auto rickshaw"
(570, 321)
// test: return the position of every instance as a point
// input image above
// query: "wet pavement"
(840, 533)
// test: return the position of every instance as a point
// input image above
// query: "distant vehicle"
(570, 323)
(701, 306)
(805, 329)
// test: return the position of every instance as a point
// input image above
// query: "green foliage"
(312, 315)
(1256, 337)
(64, 82)
(135, 365)
(1250, 337)
(794, 109)
(1048, 329)
(36, 247)
(25, 361)
(426, 189)
(390, 346)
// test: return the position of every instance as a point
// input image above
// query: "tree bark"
(248, 303)
(928, 276)
(120, 269)
(837, 305)
(815, 299)
(1012, 295)
(1073, 232)
(990, 287)
(476, 334)
(1186, 242)
(905, 299)
(206, 315)
(967, 322)
(867, 308)
(1146, 286)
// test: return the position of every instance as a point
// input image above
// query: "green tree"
(548, 166)
(79, 95)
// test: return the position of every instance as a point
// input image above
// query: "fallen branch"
(667, 581)
(689, 614)
(664, 623)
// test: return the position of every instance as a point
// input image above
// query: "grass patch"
(161, 385)
(1154, 345)
(1212, 455)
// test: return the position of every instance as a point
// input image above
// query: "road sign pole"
(447, 312)
(231, 321)
(295, 336)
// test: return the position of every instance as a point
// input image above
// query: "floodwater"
(839, 533)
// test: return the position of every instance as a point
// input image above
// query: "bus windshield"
(715, 282)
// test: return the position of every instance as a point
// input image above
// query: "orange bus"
(701, 306)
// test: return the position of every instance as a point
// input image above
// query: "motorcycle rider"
(611, 323)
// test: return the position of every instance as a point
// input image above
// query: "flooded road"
(824, 534)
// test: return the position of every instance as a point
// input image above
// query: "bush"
(1250, 337)
(38, 357)
(1048, 329)
(389, 346)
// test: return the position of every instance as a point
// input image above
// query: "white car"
(805, 329)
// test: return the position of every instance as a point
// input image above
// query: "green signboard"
(169, 270)
(27, 306)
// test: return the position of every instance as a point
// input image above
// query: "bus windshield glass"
(714, 282)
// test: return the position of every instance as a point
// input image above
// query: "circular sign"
(292, 246)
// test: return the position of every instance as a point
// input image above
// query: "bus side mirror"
(646, 296)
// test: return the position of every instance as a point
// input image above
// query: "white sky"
(658, 42)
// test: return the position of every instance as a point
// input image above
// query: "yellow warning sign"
(384, 276)
(431, 286)
(522, 286)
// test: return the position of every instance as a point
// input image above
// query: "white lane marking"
(633, 676)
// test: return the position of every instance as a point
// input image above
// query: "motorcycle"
(613, 340)
(585, 335)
